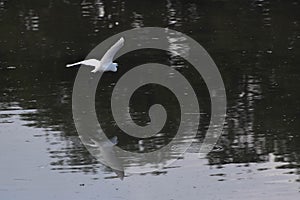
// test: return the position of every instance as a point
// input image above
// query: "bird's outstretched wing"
(109, 55)
(90, 62)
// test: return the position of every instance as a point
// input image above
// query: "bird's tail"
(71, 65)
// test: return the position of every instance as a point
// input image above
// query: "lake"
(255, 45)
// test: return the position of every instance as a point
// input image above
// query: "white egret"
(106, 63)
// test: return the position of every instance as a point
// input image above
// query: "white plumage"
(106, 63)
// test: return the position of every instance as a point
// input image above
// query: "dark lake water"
(254, 43)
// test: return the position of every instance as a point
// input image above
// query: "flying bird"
(106, 63)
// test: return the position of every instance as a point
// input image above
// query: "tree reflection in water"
(259, 70)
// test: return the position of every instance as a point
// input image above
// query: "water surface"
(254, 43)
